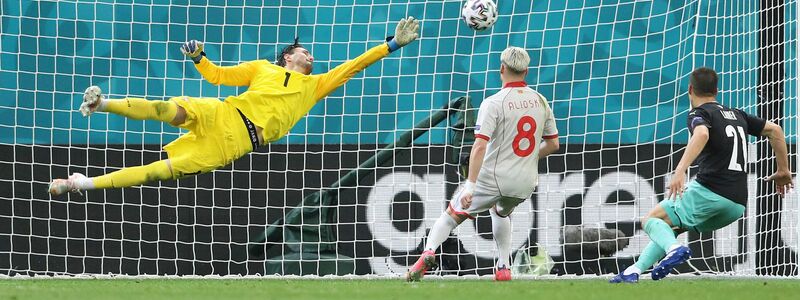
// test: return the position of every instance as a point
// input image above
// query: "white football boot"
(60, 186)
(92, 98)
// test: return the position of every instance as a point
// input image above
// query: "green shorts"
(701, 210)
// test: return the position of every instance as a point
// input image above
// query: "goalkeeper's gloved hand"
(405, 33)
(194, 50)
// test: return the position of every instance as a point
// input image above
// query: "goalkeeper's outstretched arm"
(239, 75)
(405, 33)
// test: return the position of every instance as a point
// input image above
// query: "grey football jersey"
(514, 121)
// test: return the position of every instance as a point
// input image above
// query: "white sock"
(673, 247)
(501, 229)
(440, 231)
(632, 269)
(84, 183)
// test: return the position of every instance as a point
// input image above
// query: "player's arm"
(239, 75)
(777, 139)
(699, 129)
(476, 156)
(485, 124)
(475, 163)
(548, 147)
(759, 127)
(550, 132)
(696, 144)
(405, 33)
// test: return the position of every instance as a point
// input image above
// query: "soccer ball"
(479, 14)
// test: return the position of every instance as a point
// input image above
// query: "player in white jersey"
(503, 164)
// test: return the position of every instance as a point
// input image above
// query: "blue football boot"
(621, 278)
(673, 259)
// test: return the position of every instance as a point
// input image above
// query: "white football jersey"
(514, 121)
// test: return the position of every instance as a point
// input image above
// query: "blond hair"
(515, 59)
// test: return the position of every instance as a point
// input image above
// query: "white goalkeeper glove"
(405, 33)
(194, 50)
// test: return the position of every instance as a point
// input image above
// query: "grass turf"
(673, 289)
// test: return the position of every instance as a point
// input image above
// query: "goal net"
(326, 199)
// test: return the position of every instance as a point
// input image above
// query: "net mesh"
(615, 73)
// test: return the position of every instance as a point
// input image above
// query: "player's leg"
(501, 230)
(447, 221)
(126, 177)
(217, 136)
(721, 212)
(658, 224)
(688, 212)
(651, 254)
(143, 109)
(225, 140)
(662, 225)
(134, 108)
(439, 232)
(441, 229)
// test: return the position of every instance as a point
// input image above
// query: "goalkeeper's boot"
(92, 98)
(426, 261)
(622, 278)
(60, 186)
(673, 259)
(502, 274)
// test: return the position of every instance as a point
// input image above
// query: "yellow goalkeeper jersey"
(277, 98)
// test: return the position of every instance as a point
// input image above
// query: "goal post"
(796, 67)
(616, 75)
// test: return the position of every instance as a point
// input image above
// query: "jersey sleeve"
(486, 122)
(335, 78)
(696, 118)
(755, 125)
(550, 130)
(239, 75)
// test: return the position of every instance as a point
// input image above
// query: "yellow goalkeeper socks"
(133, 176)
(141, 109)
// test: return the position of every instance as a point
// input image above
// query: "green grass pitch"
(671, 288)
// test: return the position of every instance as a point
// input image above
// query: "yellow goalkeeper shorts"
(217, 136)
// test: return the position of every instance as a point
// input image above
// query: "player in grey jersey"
(503, 165)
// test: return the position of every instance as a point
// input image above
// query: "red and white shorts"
(481, 202)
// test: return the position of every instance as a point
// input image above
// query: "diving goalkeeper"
(278, 96)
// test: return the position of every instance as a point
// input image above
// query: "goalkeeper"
(278, 96)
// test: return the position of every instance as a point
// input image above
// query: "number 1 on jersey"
(525, 134)
(286, 81)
